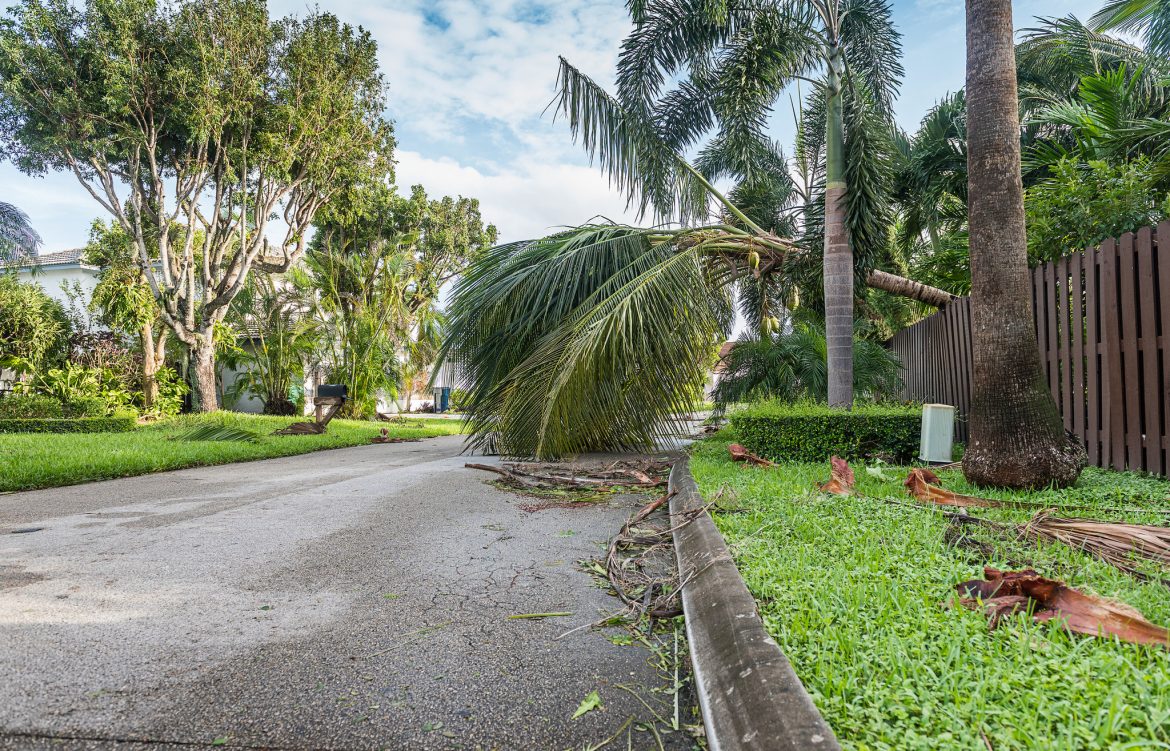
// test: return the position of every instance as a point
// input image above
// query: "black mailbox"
(334, 390)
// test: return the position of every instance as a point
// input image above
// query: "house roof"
(71, 257)
(724, 351)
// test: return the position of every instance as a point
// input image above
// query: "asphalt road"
(349, 599)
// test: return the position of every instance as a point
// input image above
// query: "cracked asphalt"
(348, 599)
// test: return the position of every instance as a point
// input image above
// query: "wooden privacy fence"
(1103, 325)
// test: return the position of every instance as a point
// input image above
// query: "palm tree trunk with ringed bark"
(1017, 438)
(838, 261)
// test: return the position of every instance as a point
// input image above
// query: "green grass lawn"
(47, 460)
(855, 591)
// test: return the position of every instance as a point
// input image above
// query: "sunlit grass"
(856, 592)
(46, 460)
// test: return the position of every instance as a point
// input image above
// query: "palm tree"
(1017, 437)
(597, 337)
(1150, 17)
(18, 240)
(739, 57)
(791, 365)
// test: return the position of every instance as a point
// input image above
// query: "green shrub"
(22, 406)
(86, 406)
(76, 425)
(813, 432)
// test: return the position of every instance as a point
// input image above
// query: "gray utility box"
(938, 430)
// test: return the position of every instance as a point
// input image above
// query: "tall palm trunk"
(1017, 437)
(838, 262)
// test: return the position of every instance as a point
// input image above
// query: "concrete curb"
(750, 697)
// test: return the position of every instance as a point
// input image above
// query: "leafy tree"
(34, 331)
(124, 301)
(1017, 437)
(18, 239)
(201, 113)
(377, 265)
(1081, 205)
(273, 318)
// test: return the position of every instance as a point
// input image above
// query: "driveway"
(348, 599)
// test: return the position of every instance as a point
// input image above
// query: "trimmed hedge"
(40, 406)
(813, 432)
(117, 424)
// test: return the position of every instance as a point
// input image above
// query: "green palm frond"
(18, 239)
(597, 337)
(1151, 18)
(217, 432)
(627, 147)
(873, 50)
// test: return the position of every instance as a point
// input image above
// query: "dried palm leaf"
(1002, 593)
(1116, 543)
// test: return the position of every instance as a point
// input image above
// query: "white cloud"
(528, 200)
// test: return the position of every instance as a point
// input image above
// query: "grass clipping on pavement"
(856, 592)
(43, 460)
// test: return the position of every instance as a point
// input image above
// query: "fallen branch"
(740, 454)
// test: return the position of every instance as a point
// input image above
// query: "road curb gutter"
(750, 697)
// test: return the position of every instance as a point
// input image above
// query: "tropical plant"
(204, 113)
(1149, 17)
(734, 61)
(73, 383)
(376, 266)
(18, 239)
(273, 336)
(791, 366)
(34, 330)
(607, 328)
(1080, 205)
(1017, 437)
(123, 301)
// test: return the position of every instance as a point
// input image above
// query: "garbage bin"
(938, 429)
(442, 398)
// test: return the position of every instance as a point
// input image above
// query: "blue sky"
(469, 80)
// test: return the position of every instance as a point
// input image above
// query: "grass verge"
(29, 461)
(855, 591)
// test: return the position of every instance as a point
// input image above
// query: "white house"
(56, 271)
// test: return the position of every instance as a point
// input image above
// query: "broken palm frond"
(640, 564)
(629, 474)
(1002, 593)
(1116, 543)
(841, 478)
(217, 432)
(526, 616)
(740, 454)
(922, 484)
(384, 437)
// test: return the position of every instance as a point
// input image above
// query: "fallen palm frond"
(1118, 544)
(217, 432)
(1002, 593)
(1115, 543)
(922, 484)
(636, 475)
(640, 564)
(740, 454)
(841, 479)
